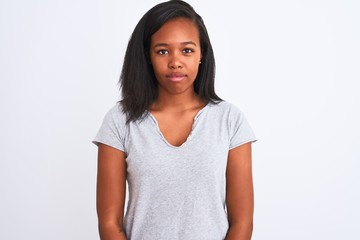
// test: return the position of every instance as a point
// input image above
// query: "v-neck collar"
(189, 137)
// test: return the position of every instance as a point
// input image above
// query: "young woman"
(185, 153)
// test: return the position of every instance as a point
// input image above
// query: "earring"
(200, 62)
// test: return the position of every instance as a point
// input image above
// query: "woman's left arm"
(239, 193)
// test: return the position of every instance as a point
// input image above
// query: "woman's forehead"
(175, 31)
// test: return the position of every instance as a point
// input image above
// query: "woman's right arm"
(110, 193)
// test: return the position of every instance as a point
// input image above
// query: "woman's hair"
(138, 82)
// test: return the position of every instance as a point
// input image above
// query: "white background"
(293, 67)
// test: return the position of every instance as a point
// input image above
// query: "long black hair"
(138, 82)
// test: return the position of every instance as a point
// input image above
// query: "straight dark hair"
(138, 82)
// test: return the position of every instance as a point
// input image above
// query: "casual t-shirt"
(177, 192)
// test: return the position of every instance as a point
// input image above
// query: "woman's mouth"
(175, 77)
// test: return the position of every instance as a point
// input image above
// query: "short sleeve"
(240, 129)
(112, 130)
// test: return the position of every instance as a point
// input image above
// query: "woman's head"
(138, 80)
(175, 56)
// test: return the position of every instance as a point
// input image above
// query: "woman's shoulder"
(113, 129)
(116, 115)
(226, 112)
(225, 107)
(116, 109)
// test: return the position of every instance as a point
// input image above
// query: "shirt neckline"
(190, 134)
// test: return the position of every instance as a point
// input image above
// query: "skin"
(240, 193)
(175, 55)
(111, 190)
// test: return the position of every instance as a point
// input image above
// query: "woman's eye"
(162, 52)
(187, 50)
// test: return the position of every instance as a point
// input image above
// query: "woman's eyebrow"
(188, 42)
(182, 43)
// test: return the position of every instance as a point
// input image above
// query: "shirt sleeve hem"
(251, 140)
(118, 147)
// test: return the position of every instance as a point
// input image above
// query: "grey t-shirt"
(177, 192)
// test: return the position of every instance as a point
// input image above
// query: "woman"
(185, 153)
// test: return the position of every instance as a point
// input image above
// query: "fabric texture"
(177, 192)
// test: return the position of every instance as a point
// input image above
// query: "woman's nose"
(175, 62)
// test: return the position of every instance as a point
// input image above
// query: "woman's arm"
(110, 194)
(239, 193)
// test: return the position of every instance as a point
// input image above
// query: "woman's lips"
(176, 77)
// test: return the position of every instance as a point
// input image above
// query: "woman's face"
(175, 55)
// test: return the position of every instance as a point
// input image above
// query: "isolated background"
(293, 67)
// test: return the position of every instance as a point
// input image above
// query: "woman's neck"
(177, 102)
